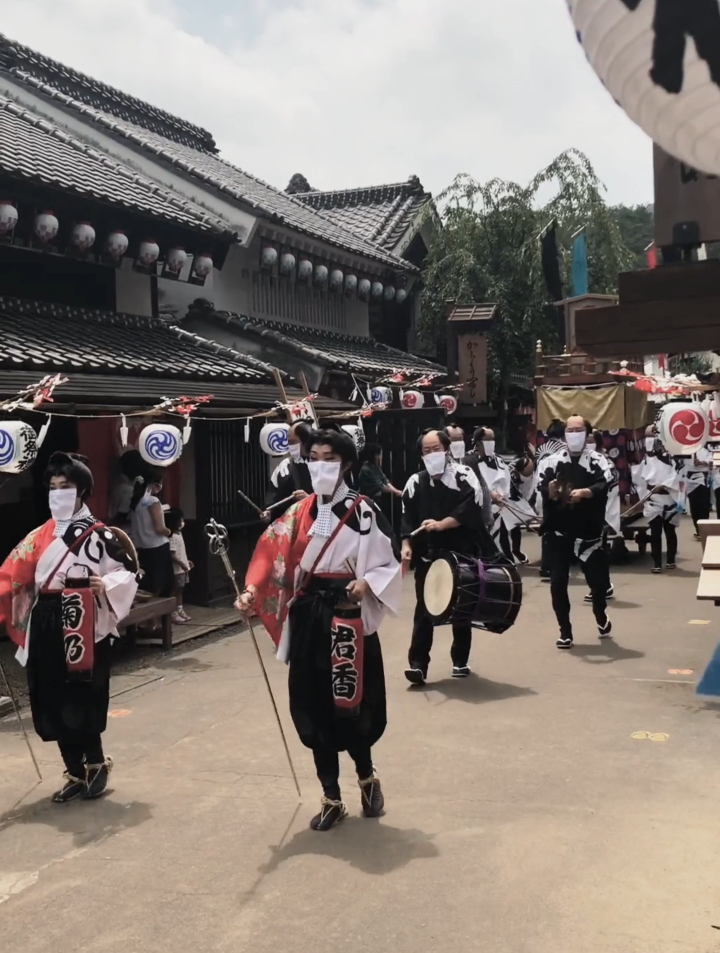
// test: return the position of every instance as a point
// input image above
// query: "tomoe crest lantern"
(684, 428)
(160, 444)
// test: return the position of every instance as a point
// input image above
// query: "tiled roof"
(161, 134)
(472, 312)
(52, 337)
(35, 149)
(380, 213)
(346, 352)
(84, 89)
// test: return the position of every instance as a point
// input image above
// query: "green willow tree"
(489, 250)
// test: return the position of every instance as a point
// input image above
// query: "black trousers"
(327, 765)
(544, 554)
(506, 541)
(516, 540)
(79, 753)
(597, 574)
(423, 631)
(699, 501)
(657, 526)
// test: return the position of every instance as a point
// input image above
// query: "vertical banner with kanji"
(346, 657)
(472, 368)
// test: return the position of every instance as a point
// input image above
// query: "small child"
(175, 521)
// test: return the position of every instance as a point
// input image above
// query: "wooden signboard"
(472, 368)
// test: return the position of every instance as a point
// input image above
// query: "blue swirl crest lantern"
(18, 446)
(274, 439)
(160, 444)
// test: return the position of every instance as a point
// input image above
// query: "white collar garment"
(62, 525)
(449, 477)
(323, 522)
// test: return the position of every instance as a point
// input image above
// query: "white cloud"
(357, 92)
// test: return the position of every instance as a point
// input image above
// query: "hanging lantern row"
(382, 397)
(83, 239)
(303, 269)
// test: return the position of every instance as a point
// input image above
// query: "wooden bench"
(152, 609)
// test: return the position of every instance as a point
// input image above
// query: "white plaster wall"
(132, 291)
(232, 287)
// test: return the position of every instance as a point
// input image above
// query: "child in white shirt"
(175, 521)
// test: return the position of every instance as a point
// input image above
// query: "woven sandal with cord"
(371, 796)
(331, 813)
(97, 779)
(73, 788)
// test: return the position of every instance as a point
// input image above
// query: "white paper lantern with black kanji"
(356, 433)
(8, 217)
(448, 403)
(116, 244)
(364, 286)
(268, 257)
(413, 400)
(377, 289)
(683, 427)
(18, 446)
(380, 395)
(305, 269)
(160, 444)
(274, 439)
(46, 226)
(351, 284)
(287, 263)
(202, 265)
(336, 279)
(175, 260)
(148, 252)
(660, 60)
(83, 236)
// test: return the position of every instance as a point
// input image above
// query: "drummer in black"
(291, 478)
(442, 511)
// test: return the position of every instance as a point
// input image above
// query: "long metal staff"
(20, 721)
(218, 540)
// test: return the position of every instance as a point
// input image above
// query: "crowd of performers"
(325, 573)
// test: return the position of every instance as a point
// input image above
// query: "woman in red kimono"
(62, 628)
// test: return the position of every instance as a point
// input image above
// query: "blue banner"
(579, 274)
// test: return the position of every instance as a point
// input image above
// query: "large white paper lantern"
(46, 226)
(356, 433)
(148, 252)
(305, 269)
(268, 257)
(684, 428)
(160, 444)
(364, 286)
(175, 260)
(202, 265)
(413, 400)
(336, 279)
(448, 403)
(116, 244)
(287, 263)
(274, 439)
(376, 289)
(83, 236)
(380, 395)
(18, 446)
(660, 60)
(8, 217)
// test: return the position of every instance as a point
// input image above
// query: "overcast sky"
(357, 92)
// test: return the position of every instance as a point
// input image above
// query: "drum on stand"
(484, 592)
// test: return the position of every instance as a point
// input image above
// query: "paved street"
(523, 817)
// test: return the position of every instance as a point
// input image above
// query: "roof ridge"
(14, 54)
(51, 129)
(412, 184)
(217, 348)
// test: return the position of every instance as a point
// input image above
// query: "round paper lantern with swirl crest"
(380, 395)
(160, 444)
(413, 400)
(660, 60)
(448, 403)
(18, 446)
(684, 428)
(274, 439)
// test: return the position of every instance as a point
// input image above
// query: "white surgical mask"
(576, 441)
(325, 475)
(489, 448)
(62, 503)
(649, 444)
(295, 450)
(457, 449)
(435, 463)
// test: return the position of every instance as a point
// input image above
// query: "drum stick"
(254, 505)
(280, 502)
(420, 529)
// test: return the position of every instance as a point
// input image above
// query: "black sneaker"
(565, 642)
(460, 671)
(610, 594)
(415, 676)
(371, 796)
(545, 575)
(97, 779)
(605, 629)
(73, 788)
(331, 813)
(521, 559)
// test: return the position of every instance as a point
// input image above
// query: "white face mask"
(457, 449)
(295, 451)
(649, 444)
(576, 441)
(325, 475)
(489, 448)
(62, 503)
(435, 463)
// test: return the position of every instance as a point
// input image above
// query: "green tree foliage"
(636, 224)
(489, 250)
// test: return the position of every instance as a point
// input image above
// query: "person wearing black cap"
(63, 590)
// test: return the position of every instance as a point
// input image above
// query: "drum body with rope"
(464, 589)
